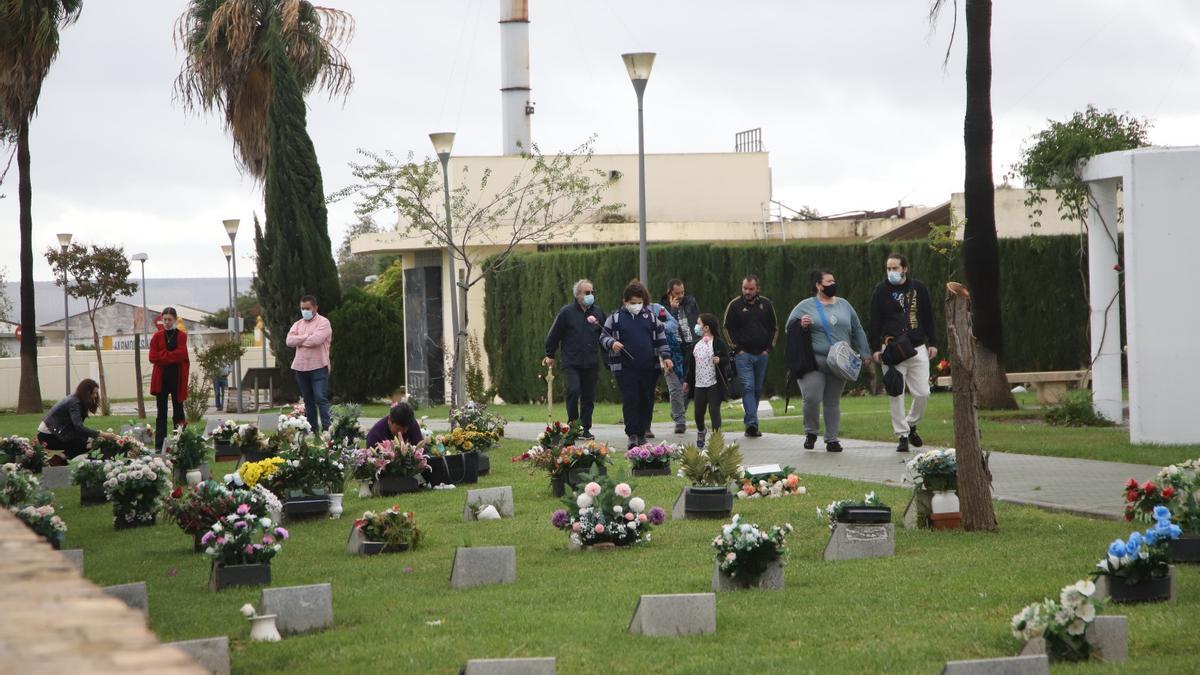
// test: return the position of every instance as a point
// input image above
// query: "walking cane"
(549, 395)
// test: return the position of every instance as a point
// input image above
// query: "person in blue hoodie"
(636, 343)
(674, 376)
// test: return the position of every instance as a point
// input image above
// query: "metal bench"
(1051, 386)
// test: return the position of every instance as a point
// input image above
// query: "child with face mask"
(636, 342)
(705, 376)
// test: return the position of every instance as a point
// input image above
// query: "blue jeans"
(752, 371)
(314, 388)
(219, 385)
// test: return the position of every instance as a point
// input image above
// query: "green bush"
(367, 354)
(1044, 298)
(1076, 410)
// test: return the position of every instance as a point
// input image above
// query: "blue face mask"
(895, 278)
(307, 314)
(698, 330)
(589, 300)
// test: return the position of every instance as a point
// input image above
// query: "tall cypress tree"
(295, 256)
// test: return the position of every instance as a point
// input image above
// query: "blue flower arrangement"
(1142, 555)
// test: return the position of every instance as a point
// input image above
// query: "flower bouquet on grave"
(251, 474)
(784, 483)
(222, 440)
(606, 514)
(454, 456)
(558, 435)
(241, 546)
(22, 452)
(710, 471)
(651, 459)
(1139, 570)
(136, 486)
(1181, 489)
(397, 465)
(934, 470)
(250, 442)
(294, 411)
(476, 416)
(109, 448)
(43, 521)
(344, 428)
(188, 452)
(867, 510)
(304, 477)
(744, 551)
(390, 531)
(196, 509)
(88, 472)
(1062, 624)
(18, 486)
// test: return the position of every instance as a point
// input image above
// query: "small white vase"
(364, 490)
(944, 501)
(276, 515)
(193, 477)
(335, 505)
(263, 629)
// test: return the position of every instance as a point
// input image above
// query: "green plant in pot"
(189, 452)
(710, 470)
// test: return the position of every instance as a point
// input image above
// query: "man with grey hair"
(576, 330)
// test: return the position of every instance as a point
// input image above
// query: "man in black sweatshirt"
(750, 329)
(576, 330)
(901, 310)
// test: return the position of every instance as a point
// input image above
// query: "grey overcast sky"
(856, 109)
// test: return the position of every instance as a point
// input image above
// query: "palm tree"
(28, 45)
(980, 248)
(227, 66)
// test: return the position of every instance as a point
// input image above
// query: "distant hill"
(210, 294)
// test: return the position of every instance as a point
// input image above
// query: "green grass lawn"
(944, 596)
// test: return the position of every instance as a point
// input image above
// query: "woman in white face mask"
(636, 342)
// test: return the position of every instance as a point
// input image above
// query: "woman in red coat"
(168, 353)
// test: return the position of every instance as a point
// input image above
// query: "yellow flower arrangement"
(253, 472)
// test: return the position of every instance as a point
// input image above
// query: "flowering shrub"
(651, 456)
(477, 416)
(744, 551)
(934, 470)
(18, 486)
(198, 508)
(190, 450)
(43, 521)
(22, 452)
(392, 527)
(1062, 623)
(242, 538)
(784, 484)
(389, 458)
(605, 512)
(225, 432)
(250, 474)
(1143, 556)
(716, 465)
(88, 470)
(836, 510)
(136, 486)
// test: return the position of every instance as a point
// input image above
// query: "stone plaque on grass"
(299, 609)
(268, 422)
(1108, 636)
(74, 556)
(674, 615)
(850, 542)
(1034, 664)
(499, 497)
(56, 477)
(211, 653)
(483, 565)
(535, 666)
(134, 595)
(770, 580)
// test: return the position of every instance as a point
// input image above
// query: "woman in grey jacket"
(62, 428)
(829, 318)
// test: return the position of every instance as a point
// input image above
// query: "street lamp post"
(137, 339)
(227, 251)
(442, 144)
(64, 240)
(638, 65)
(231, 228)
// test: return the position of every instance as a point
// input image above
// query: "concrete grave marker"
(770, 580)
(1108, 636)
(268, 422)
(765, 409)
(300, 609)
(211, 424)
(1103, 592)
(1033, 664)
(55, 477)
(534, 666)
(134, 595)
(211, 653)
(75, 557)
(674, 615)
(500, 497)
(850, 542)
(484, 565)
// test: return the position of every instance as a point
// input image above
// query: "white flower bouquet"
(1061, 623)
(136, 486)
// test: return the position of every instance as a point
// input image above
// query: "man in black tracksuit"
(751, 328)
(576, 330)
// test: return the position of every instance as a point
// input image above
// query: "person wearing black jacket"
(750, 327)
(63, 428)
(576, 331)
(686, 312)
(706, 375)
(901, 312)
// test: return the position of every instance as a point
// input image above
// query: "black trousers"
(71, 447)
(708, 398)
(637, 399)
(581, 394)
(177, 416)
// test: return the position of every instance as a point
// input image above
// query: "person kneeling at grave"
(63, 428)
(399, 423)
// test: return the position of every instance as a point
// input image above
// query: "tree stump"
(974, 476)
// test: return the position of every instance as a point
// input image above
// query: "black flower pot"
(377, 547)
(558, 487)
(1148, 589)
(707, 501)
(454, 468)
(866, 515)
(664, 470)
(305, 505)
(224, 452)
(255, 454)
(485, 463)
(92, 495)
(394, 485)
(1186, 549)
(229, 576)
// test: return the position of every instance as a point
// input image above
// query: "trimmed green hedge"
(1044, 298)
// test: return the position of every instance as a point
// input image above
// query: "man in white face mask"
(576, 332)
(311, 337)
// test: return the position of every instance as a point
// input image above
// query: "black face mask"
(830, 291)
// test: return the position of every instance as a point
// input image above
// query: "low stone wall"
(52, 620)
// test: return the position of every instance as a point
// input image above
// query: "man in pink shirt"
(310, 337)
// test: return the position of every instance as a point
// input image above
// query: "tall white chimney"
(514, 75)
